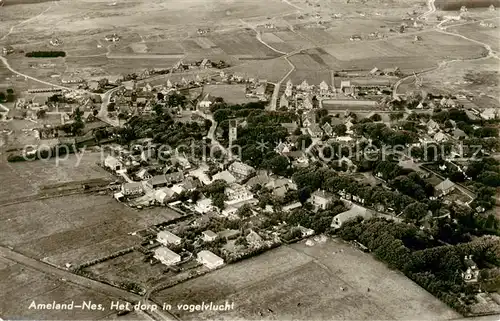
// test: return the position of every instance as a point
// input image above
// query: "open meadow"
(300, 282)
(21, 285)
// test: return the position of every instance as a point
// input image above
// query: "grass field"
(74, 229)
(21, 285)
(272, 70)
(234, 94)
(486, 35)
(242, 43)
(298, 282)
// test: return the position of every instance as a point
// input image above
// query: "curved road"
(441, 29)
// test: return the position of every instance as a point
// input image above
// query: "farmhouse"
(444, 188)
(203, 206)
(7, 50)
(166, 256)
(130, 189)
(352, 213)
(166, 238)
(225, 176)
(237, 193)
(207, 101)
(240, 169)
(320, 199)
(112, 163)
(210, 260)
(157, 182)
(472, 273)
(163, 195)
(209, 236)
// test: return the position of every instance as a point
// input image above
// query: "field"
(486, 35)
(451, 78)
(314, 77)
(75, 228)
(456, 4)
(349, 105)
(234, 94)
(21, 285)
(299, 282)
(273, 70)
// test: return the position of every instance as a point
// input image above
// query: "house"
(143, 174)
(166, 256)
(291, 207)
(225, 176)
(210, 260)
(240, 169)
(209, 236)
(281, 182)
(328, 129)
(166, 238)
(253, 238)
(131, 189)
(173, 178)
(164, 195)
(440, 137)
(129, 85)
(323, 88)
(237, 193)
(191, 183)
(459, 134)
(347, 88)
(157, 182)
(471, 274)
(489, 113)
(113, 164)
(261, 91)
(355, 38)
(353, 212)
(284, 104)
(204, 206)
(320, 199)
(315, 130)
(306, 231)
(432, 126)
(309, 118)
(205, 63)
(207, 101)
(290, 127)
(392, 71)
(7, 50)
(260, 179)
(444, 188)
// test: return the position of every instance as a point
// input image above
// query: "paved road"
(103, 112)
(80, 280)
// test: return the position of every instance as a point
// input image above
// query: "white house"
(112, 163)
(166, 238)
(207, 101)
(166, 256)
(209, 236)
(203, 206)
(226, 176)
(353, 212)
(320, 199)
(210, 260)
(240, 169)
(237, 193)
(133, 188)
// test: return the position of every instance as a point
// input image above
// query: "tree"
(41, 113)
(160, 96)
(77, 125)
(2, 97)
(241, 241)
(415, 211)
(244, 211)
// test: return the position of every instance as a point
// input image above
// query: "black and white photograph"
(184, 160)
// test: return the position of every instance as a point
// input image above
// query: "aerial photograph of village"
(176, 160)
